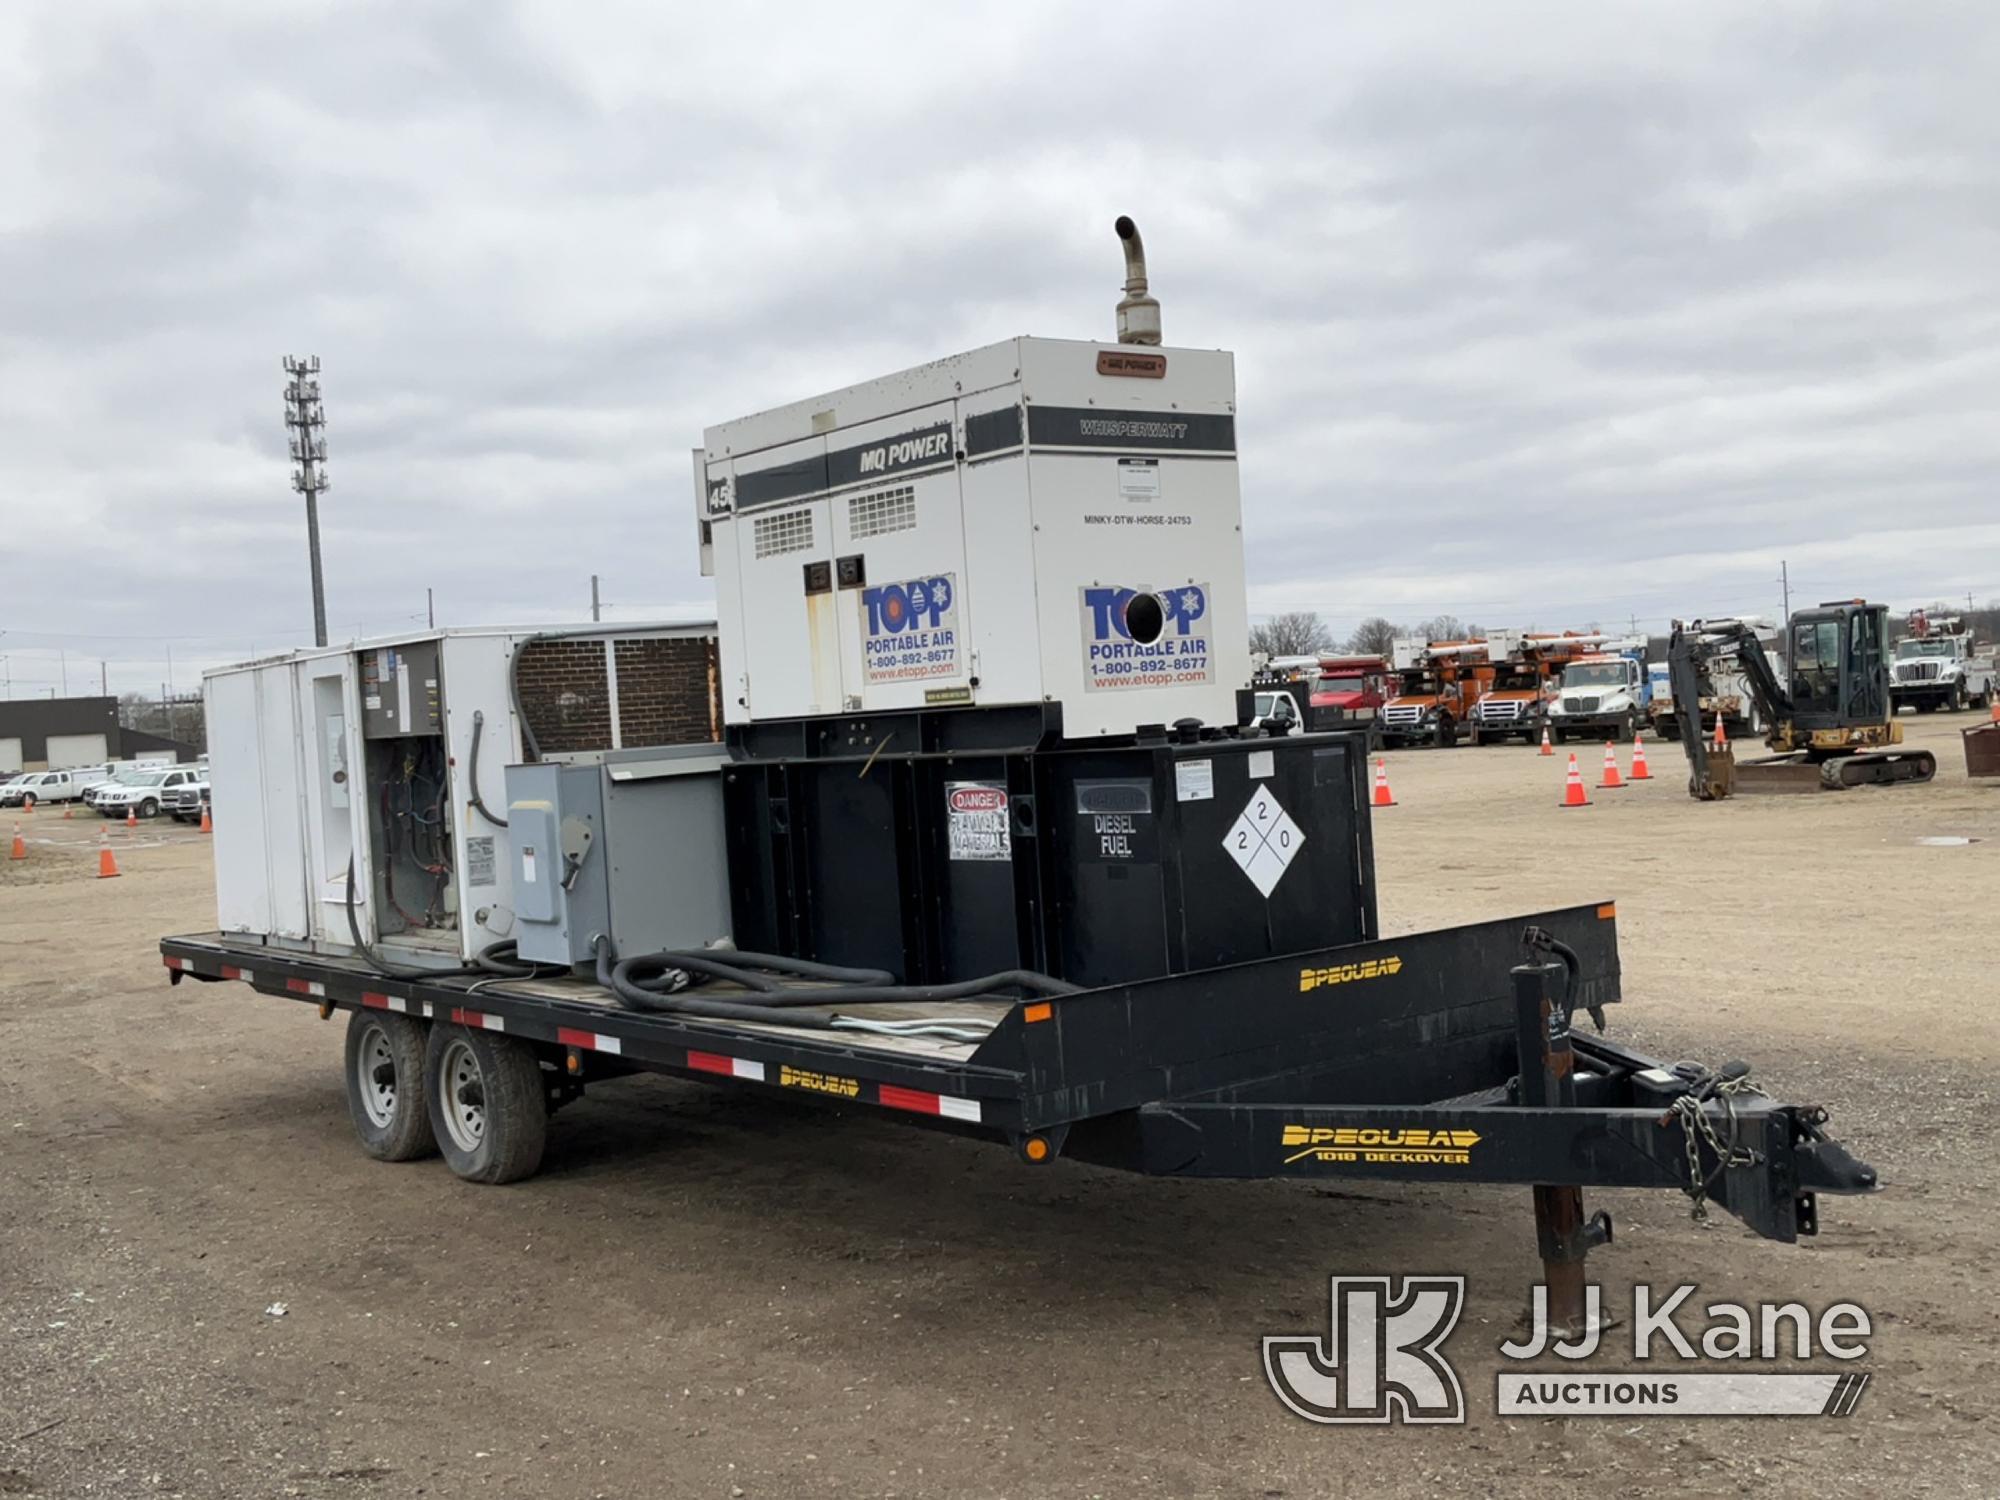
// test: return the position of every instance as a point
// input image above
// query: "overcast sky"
(1543, 314)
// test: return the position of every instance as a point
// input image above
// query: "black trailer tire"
(1627, 727)
(389, 1115)
(488, 1106)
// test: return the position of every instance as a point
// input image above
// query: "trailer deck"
(1439, 1056)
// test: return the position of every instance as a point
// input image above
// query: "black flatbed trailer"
(1436, 1056)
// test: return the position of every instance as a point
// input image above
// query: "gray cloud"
(1543, 313)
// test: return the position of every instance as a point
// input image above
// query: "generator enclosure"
(1041, 521)
(365, 753)
(629, 846)
(1098, 862)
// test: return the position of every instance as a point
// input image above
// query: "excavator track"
(1877, 768)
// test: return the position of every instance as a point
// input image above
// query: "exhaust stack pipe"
(1138, 314)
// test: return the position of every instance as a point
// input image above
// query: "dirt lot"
(708, 1295)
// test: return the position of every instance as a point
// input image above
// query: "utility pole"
(595, 614)
(62, 656)
(104, 679)
(430, 610)
(1785, 619)
(305, 423)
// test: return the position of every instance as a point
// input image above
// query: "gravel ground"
(711, 1295)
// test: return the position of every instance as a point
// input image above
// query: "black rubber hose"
(505, 960)
(616, 977)
(375, 960)
(472, 772)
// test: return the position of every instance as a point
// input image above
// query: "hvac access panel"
(402, 691)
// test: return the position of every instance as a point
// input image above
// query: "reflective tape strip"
(306, 987)
(919, 1102)
(729, 1067)
(474, 1018)
(594, 1041)
(173, 963)
(375, 1000)
(243, 974)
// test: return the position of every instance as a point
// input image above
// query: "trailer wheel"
(487, 1104)
(385, 1080)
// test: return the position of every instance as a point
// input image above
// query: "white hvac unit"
(388, 758)
(1041, 521)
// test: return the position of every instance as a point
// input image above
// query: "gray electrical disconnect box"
(630, 846)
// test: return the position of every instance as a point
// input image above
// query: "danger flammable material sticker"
(976, 824)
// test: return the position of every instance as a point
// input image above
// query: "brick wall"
(565, 694)
(667, 692)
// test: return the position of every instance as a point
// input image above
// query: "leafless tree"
(1294, 633)
(1374, 636)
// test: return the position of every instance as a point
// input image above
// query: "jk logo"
(1380, 1362)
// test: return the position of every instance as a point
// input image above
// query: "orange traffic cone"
(1721, 734)
(107, 863)
(1382, 797)
(69, 810)
(1547, 748)
(1612, 780)
(1639, 771)
(131, 817)
(20, 849)
(1573, 790)
(1994, 697)
(207, 823)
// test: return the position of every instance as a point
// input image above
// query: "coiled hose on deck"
(656, 983)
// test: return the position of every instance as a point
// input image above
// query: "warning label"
(976, 820)
(1170, 648)
(909, 630)
(479, 859)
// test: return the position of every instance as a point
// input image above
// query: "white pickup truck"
(47, 786)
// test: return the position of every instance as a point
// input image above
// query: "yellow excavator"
(1833, 725)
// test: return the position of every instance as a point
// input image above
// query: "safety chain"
(1695, 1123)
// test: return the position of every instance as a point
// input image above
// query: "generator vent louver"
(788, 531)
(882, 512)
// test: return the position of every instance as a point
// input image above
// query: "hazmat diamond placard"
(1263, 840)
